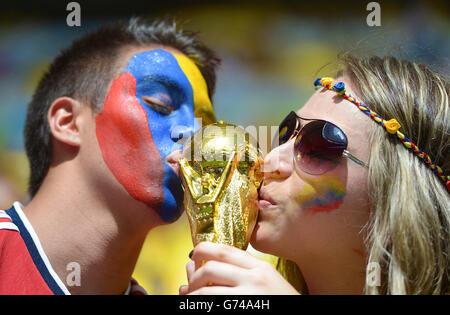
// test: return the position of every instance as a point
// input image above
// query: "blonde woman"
(351, 187)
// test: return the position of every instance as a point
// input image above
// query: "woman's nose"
(279, 162)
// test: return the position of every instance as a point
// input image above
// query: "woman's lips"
(262, 204)
(265, 201)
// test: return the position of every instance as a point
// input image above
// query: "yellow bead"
(327, 80)
(392, 126)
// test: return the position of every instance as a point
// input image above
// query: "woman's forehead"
(328, 105)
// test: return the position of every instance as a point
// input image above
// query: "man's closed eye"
(157, 105)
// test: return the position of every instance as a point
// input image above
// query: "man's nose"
(180, 135)
(179, 132)
(188, 125)
(279, 162)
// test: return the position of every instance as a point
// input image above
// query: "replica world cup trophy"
(221, 173)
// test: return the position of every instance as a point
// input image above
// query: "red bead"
(448, 184)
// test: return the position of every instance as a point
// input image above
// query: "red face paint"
(127, 144)
(323, 194)
(333, 205)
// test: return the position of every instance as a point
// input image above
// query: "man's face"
(150, 105)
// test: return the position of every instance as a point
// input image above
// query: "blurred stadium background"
(271, 53)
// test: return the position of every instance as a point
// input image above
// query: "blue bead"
(339, 87)
(317, 82)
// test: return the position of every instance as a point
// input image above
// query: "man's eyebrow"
(169, 85)
(164, 79)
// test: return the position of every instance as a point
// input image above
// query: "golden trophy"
(221, 173)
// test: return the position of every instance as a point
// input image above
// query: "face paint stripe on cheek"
(127, 144)
(324, 194)
(326, 207)
(202, 103)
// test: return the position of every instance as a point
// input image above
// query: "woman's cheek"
(322, 194)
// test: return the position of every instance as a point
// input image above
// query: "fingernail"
(191, 264)
(191, 253)
(181, 290)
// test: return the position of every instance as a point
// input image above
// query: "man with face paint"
(103, 136)
(148, 107)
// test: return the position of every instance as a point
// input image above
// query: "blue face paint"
(158, 75)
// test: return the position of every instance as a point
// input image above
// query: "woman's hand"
(229, 270)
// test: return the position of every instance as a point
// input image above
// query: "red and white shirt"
(24, 267)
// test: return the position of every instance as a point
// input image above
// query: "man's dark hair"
(85, 69)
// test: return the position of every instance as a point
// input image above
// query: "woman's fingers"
(217, 274)
(230, 270)
(183, 289)
(211, 251)
(217, 290)
(190, 269)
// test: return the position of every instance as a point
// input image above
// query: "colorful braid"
(391, 125)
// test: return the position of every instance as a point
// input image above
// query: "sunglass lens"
(319, 146)
(285, 130)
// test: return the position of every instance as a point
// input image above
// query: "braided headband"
(391, 126)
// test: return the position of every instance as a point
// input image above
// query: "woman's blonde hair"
(408, 230)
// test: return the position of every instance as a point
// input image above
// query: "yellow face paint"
(202, 103)
(322, 194)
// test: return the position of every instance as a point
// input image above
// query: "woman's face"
(310, 218)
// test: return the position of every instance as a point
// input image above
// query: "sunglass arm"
(355, 159)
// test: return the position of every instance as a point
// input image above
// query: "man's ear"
(62, 118)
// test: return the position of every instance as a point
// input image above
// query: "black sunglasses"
(319, 144)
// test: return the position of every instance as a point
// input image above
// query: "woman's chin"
(262, 239)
